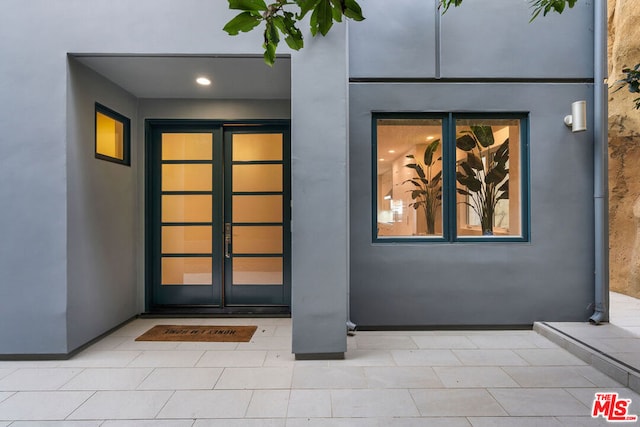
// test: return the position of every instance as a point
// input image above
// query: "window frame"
(449, 162)
(126, 135)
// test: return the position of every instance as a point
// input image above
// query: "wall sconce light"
(578, 118)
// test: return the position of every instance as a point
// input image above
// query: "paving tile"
(232, 359)
(207, 346)
(372, 403)
(472, 377)
(539, 402)
(549, 357)
(457, 403)
(267, 343)
(515, 421)
(181, 379)
(425, 358)
(305, 377)
(255, 378)
(547, 376)
(65, 423)
(131, 345)
(422, 422)
(268, 404)
(122, 405)
(284, 358)
(166, 359)
(365, 358)
(269, 422)
(101, 359)
(32, 379)
(107, 379)
(446, 342)
(587, 396)
(491, 357)
(207, 404)
(147, 423)
(309, 404)
(506, 341)
(596, 377)
(583, 422)
(6, 371)
(384, 342)
(331, 422)
(402, 377)
(42, 405)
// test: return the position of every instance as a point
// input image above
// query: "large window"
(450, 177)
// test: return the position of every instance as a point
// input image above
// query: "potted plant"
(427, 192)
(484, 173)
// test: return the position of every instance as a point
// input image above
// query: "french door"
(218, 216)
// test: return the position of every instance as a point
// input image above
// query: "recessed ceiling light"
(203, 81)
(382, 160)
(429, 138)
(392, 151)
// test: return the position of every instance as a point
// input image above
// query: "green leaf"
(248, 5)
(417, 168)
(501, 155)
(429, 151)
(496, 175)
(336, 10)
(484, 134)
(466, 143)
(471, 183)
(324, 16)
(244, 21)
(306, 6)
(474, 161)
(270, 52)
(463, 192)
(352, 10)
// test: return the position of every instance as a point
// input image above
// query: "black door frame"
(152, 235)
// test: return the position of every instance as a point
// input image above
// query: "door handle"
(227, 240)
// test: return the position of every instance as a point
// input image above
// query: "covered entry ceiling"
(232, 77)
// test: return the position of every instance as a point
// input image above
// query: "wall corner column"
(320, 232)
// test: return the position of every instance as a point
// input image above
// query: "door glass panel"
(186, 208)
(187, 146)
(186, 271)
(257, 240)
(254, 146)
(257, 177)
(186, 177)
(257, 208)
(186, 240)
(257, 271)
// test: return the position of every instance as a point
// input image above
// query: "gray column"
(319, 191)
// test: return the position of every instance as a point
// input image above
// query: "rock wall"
(624, 150)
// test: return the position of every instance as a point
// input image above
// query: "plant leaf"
(474, 161)
(429, 151)
(466, 143)
(248, 5)
(484, 134)
(244, 22)
(352, 10)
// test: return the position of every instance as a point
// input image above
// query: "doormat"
(198, 333)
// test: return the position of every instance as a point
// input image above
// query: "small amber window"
(112, 135)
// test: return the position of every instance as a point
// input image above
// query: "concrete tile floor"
(543, 377)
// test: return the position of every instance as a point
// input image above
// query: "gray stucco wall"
(101, 214)
(35, 37)
(480, 39)
(538, 68)
(430, 284)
